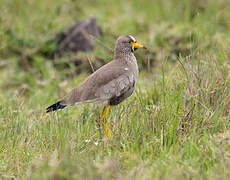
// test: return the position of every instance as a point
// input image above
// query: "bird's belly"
(118, 99)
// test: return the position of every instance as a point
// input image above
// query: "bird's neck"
(123, 54)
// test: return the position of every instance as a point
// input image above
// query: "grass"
(176, 124)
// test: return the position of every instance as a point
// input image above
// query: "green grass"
(176, 125)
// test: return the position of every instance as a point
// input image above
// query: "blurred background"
(48, 47)
(31, 31)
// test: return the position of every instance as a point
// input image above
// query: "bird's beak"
(136, 46)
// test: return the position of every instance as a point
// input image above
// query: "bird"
(110, 85)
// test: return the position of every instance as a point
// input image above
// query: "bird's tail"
(55, 107)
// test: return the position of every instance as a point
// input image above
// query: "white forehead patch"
(133, 39)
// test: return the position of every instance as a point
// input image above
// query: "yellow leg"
(102, 117)
(107, 131)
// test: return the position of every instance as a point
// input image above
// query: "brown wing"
(103, 84)
(122, 86)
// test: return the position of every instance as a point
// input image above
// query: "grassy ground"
(177, 123)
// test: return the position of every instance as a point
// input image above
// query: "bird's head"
(127, 44)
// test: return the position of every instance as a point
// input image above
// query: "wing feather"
(103, 84)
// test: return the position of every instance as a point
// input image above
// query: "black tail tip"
(55, 107)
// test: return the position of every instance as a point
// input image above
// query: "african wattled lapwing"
(111, 84)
